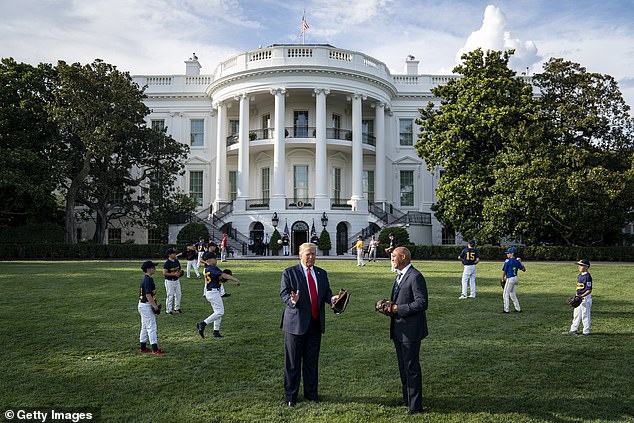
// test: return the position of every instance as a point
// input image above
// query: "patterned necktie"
(314, 310)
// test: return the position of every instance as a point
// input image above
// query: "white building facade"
(301, 132)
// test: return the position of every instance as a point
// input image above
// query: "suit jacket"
(410, 324)
(296, 318)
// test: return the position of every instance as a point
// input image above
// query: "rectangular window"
(114, 236)
(300, 122)
(158, 124)
(448, 236)
(300, 183)
(336, 124)
(406, 131)
(407, 188)
(336, 185)
(234, 127)
(154, 236)
(266, 126)
(197, 132)
(233, 185)
(196, 186)
(266, 186)
(367, 132)
(368, 185)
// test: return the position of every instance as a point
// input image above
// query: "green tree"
(29, 144)
(112, 153)
(192, 233)
(324, 241)
(274, 245)
(576, 182)
(481, 120)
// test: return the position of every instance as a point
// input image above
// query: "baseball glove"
(157, 310)
(341, 304)
(502, 282)
(575, 301)
(226, 272)
(384, 307)
(180, 273)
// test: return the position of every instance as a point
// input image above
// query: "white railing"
(198, 80)
(260, 55)
(299, 52)
(343, 56)
(159, 80)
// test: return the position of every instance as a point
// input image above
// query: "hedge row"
(421, 252)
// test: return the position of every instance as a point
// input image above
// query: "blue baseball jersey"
(511, 266)
(584, 283)
(147, 287)
(469, 256)
(212, 277)
(200, 246)
(172, 266)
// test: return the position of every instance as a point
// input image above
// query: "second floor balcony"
(305, 132)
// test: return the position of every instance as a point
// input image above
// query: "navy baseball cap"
(148, 265)
(209, 254)
(212, 244)
(170, 251)
(472, 242)
(511, 250)
(584, 262)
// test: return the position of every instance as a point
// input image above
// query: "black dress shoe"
(416, 411)
(291, 403)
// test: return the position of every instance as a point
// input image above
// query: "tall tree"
(101, 114)
(576, 185)
(481, 119)
(29, 144)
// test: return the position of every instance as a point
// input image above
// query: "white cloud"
(493, 35)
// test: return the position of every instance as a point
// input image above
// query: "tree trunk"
(101, 224)
(70, 224)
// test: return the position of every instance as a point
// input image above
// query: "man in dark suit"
(408, 326)
(305, 290)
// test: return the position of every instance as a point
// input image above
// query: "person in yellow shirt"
(359, 247)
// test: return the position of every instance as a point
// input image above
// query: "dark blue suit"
(407, 328)
(302, 334)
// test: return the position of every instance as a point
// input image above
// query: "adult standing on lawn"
(408, 326)
(304, 289)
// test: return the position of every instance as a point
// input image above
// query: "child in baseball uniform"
(509, 275)
(214, 278)
(172, 272)
(147, 308)
(358, 246)
(191, 256)
(200, 249)
(581, 313)
(470, 258)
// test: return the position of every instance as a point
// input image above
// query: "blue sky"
(154, 37)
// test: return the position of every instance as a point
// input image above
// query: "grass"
(70, 336)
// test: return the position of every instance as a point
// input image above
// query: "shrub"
(324, 241)
(192, 232)
(273, 244)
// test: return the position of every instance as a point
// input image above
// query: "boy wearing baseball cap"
(581, 313)
(509, 275)
(148, 309)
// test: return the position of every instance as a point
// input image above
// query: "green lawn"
(69, 332)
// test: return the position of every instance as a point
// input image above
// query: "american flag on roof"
(305, 25)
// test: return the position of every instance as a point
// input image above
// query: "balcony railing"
(300, 203)
(340, 204)
(302, 132)
(258, 204)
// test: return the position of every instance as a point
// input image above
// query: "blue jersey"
(200, 246)
(147, 287)
(584, 283)
(511, 266)
(172, 266)
(469, 256)
(212, 277)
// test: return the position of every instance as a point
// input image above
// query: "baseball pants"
(200, 258)
(215, 299)
(469, 278)
(372, 254)
(191, 264)
(173, 295)
(223, 254)
(510, 289)
(360, 261)
(582, 315)
(148, 323)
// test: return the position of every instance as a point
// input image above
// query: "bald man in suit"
(305, 290)
(408, 326)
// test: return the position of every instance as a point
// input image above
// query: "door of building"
(299, 235)
(342, 238)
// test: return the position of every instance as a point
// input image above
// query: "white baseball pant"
(148, 323)
(469, 278)
(510, 289)
(215, 299)
(582, 315)
(191, 264)
(172, 295)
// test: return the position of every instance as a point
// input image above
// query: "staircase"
(236, 241)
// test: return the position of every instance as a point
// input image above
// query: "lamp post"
(324, 220)
(275, 220)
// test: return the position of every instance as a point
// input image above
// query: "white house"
(301, 133)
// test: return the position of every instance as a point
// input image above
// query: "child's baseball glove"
(575, 301)
(340, 305)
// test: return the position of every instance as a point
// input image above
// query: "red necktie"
(314, 311)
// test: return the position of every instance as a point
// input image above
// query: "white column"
(221, 156)
(357, 149)
(278, 199)
(243, 153)
(322, 200)
(379, 174)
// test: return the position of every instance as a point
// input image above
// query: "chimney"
(192, 66)
(411, 65)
